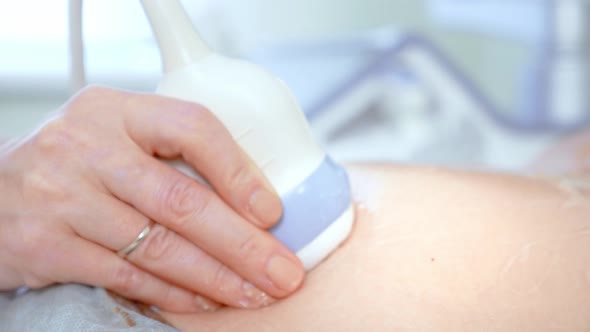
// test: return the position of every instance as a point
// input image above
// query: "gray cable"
(76, 47)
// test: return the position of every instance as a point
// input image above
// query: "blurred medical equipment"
(556, 32)
(392, 95)
(569, 62)
(431, 106)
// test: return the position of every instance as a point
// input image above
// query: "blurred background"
(484, 83)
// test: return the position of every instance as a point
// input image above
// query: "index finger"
(172, 128)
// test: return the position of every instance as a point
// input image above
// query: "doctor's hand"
(88, 183)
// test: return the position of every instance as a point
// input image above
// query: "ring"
(127, 250)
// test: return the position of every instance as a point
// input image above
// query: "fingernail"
(205, 304)
(284, 273)
(266, 206)
(253, 297)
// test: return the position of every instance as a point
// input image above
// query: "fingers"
(115, 225)
(164, 251)
(197, 214)
(171, 128)
(88, 263)
(166, 255)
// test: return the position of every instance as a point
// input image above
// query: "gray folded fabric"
(73, 308)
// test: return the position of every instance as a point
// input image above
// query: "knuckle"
(185, 201)
(81, 100)
(251, 247)
(125, 279)
(55, 136)
(196, 119)
(224, 279)
(240, 176)
(42, 189)
(168, 297)
(93, 92)
(93, 99)
(159, 244)
(194, 113)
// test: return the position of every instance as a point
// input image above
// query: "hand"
(85, 184)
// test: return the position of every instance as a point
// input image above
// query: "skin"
(88, 181)
(441, 250)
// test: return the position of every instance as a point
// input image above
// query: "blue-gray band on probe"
(313, 205)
